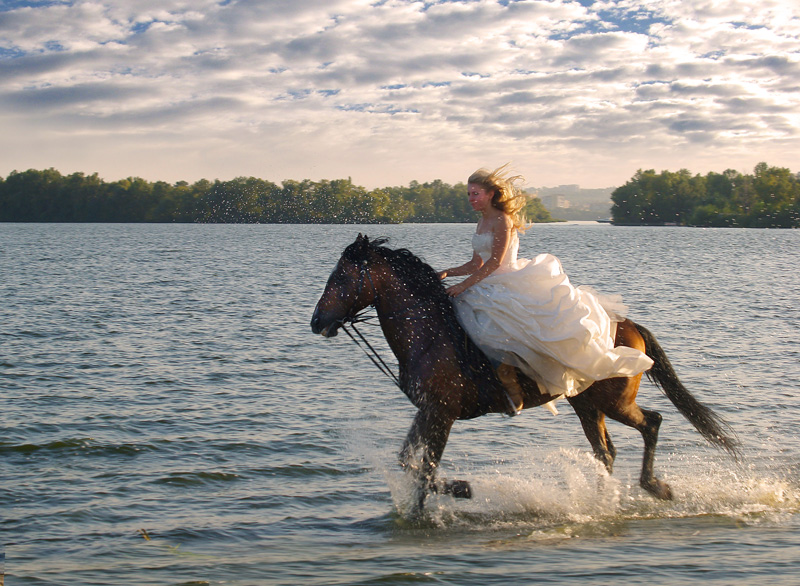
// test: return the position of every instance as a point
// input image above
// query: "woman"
(526, 313)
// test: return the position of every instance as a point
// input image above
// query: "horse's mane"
(424, 281)
(414, 272)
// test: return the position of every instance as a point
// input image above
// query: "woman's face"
(479, 198)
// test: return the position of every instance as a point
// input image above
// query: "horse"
(448, 378)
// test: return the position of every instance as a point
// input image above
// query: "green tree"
(632, 201)
(535, 211)
(770, 197)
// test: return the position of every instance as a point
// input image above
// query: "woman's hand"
(442, 274)
(456, 290)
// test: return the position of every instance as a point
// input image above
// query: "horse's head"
(350, 288)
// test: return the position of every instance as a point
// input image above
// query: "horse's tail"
(715, 429)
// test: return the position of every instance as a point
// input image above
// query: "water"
(167, 417)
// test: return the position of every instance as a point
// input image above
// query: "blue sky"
(391, 91)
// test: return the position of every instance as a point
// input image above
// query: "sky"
(390, 91)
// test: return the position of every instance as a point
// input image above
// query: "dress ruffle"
(527, 313)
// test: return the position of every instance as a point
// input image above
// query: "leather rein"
(351, 318)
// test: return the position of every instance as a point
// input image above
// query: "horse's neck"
(409, 320)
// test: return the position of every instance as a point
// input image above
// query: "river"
(168, 418)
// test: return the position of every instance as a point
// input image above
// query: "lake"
(168, 418)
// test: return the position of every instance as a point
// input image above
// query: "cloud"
(395, 90)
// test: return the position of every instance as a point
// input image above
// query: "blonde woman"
(526, 313)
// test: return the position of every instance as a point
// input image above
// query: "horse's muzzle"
(326, 328)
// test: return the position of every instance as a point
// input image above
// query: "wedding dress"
(528, 314)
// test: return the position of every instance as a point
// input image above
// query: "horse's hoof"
(459, 489)
(658, 488)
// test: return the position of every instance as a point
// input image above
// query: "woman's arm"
(501, 232)
(466, 269)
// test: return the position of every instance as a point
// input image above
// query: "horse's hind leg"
(594, 426)
(617, 399)
(649, 430)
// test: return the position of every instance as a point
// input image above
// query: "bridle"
(352, 317)
(363, 271)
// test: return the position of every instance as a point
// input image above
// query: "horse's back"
(628, 335)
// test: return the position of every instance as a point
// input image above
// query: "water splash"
(568, 492)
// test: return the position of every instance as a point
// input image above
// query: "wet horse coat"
(446, 376)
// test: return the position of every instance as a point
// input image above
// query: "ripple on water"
(163, 378)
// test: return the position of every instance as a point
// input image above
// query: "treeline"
(49, 196)
(769, 198)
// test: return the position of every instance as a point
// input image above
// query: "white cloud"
(391, 91)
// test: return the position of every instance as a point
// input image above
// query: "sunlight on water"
(569, 486)
(165, 379)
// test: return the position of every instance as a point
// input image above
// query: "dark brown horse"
(448, 378)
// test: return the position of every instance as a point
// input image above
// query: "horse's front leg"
(423, 448)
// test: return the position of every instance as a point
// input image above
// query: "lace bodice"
(482, 244)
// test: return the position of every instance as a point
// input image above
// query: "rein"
(351, 319)
(375, 357)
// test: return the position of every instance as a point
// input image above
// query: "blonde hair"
(507, 197)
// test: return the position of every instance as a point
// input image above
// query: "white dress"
(528, 314)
